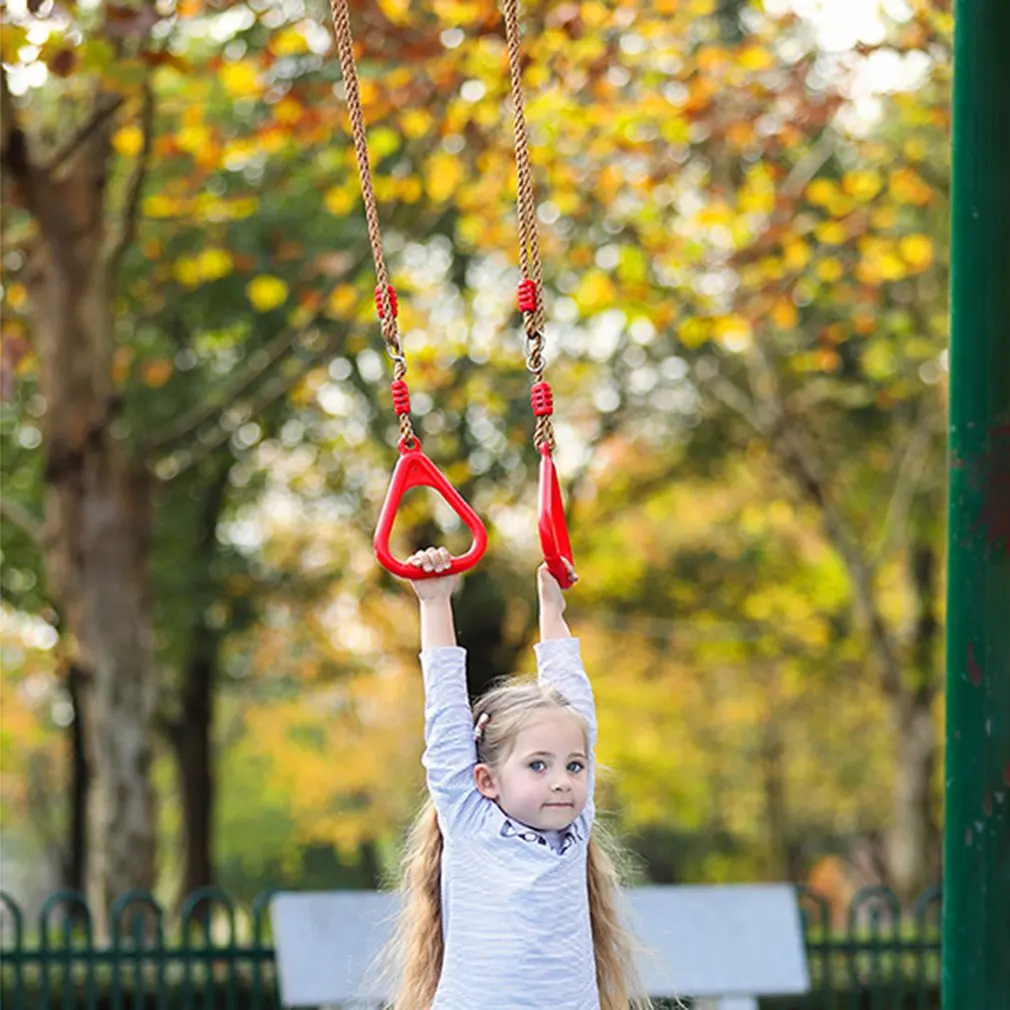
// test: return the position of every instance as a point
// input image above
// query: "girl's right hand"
(552, 599)
(433, 559)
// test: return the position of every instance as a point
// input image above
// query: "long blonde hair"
(414, 957)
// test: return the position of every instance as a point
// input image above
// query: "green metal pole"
(976, 896)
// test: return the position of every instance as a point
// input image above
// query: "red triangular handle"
(414, 469)
(554, 542)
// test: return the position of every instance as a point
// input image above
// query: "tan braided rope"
(529, 245)
(352, 89)
(526, 216)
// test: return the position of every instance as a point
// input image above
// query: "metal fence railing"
(880, 958)
(217, 955)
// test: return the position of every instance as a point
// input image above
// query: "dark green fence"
(881, 958)
(213, 955)
(216, 955)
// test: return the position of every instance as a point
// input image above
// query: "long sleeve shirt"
(515, 908)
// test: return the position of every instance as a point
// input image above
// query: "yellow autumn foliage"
(443, 176)
(862, 185)
(687, 152)
(128, 140)
(266, 292)
(240, 79)
(917, 251)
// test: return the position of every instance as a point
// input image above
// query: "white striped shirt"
(515, 908)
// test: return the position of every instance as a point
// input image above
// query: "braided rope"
(529, 243)
(387, 313)
(526, 215)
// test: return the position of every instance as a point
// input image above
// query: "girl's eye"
(575, 766)
(538, 766)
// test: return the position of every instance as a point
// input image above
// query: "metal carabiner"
(397, 356)
(528, 343)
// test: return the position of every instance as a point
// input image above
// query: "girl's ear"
(484, 780)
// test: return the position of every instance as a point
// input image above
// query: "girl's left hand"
(433, 559)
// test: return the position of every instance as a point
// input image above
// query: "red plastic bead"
(542, 399)
(527, 295)
(401, 397)
(392, 300)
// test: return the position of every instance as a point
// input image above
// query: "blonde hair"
(414, 958)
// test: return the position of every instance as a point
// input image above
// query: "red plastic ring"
(414, 469)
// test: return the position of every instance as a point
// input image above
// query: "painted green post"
(976, 898)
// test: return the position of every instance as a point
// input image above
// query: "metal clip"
(396, 355)
(528, 347)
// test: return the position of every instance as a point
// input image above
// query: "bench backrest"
(742, 940)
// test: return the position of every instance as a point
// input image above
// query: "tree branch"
(800, 460)
(736, 399)
(767, 414)
(257, 365)
(24, 519)
(906, 483)
(187, 458)
(105, 108)
(134, 188)
(808, 166)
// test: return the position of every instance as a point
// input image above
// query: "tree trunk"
(913, 845)
(784, 855)
(710, 735)
(191, 735)
(771, 757)
(913, 837)
(96, 565)
(97, 522)
(191, 738)
(908, 679)
(75, 866)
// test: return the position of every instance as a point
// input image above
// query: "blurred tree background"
(206, 676)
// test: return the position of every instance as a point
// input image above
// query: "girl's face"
(543, 782)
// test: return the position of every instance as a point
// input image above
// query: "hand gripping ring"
(554, 542)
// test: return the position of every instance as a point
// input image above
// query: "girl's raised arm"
(450, 753)
(559, 663)
(435, 598)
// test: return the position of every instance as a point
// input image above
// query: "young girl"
(509, 900)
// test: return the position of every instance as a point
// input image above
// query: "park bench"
(722, 946)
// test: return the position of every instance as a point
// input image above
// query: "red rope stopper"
(542, 399)
(392, 300)
(401, 397)
(527, 295)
